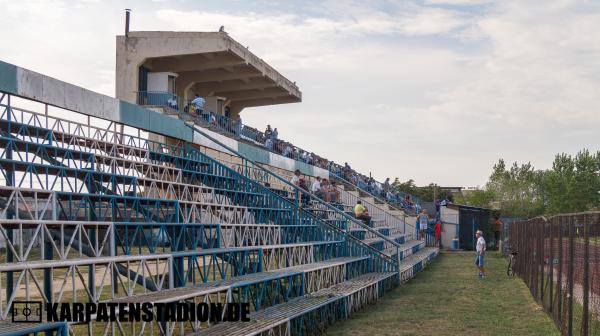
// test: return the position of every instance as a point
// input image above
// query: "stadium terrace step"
(414, 263)
(184, 293)
(399, 238)
(406, 249)
(20, 328)
(366, 286)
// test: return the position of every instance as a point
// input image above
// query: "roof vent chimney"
(127, 17)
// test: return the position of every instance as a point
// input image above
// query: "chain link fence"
(559, 260)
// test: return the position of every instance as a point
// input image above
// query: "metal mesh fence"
(559, 260)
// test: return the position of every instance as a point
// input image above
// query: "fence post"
(551, 271)
(541, 250)
(559, 287)
(586, 268)
(570, 277)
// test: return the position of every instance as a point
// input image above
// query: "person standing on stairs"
(422, 221)
(317, 190)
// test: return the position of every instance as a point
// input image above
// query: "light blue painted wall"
(8, 77)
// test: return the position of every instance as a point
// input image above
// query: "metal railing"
(374, 210)
(559, 260)
(237, 129)
(299, 195)
(396, 206)
(397, 199)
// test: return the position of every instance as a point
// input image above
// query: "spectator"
(422, 221)
(302, 184)
(497, 229)
(296, 178)
(275, 134)
(172, 103)
(287, 150)
(305, 157)
(360, 212)
(480, 250)
(269, 143)
(390, 196)
(386, 184)
(438, 233)
(346, 171)
(316, 188)
(268, 132)
(334, 193)
(198, 104)
(238, 126)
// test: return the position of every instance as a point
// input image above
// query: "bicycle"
(511, 262)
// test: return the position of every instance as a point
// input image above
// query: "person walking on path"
(480, 249)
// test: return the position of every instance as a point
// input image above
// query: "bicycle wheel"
(509, 270)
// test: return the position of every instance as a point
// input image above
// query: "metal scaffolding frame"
(96, 214)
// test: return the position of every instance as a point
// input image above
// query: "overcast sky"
(434, 90)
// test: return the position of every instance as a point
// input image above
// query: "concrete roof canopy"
(206, 63)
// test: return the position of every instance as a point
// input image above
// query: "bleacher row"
(93, 214)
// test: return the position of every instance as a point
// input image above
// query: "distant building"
(461, 221)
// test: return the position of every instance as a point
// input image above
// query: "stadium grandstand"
(163, 195)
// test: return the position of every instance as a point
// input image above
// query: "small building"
(462, 221)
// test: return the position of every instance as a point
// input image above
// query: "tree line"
(521, 190)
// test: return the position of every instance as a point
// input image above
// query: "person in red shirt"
(438, 234)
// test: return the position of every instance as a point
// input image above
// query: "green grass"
(448, 299)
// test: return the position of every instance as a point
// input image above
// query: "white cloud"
(435, 92)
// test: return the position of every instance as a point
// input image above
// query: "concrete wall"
(450, 221)
(159, 81)
(35, 86)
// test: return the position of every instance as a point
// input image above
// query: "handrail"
(150, 143)
(297, 189)
(374, 209)
(368, 193)
(339, 168)
(285, 182)
(231, 127)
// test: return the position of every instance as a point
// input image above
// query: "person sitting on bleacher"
(198, 104)
(362, 213)
(172, 103)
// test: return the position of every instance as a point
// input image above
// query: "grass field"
(449, 299)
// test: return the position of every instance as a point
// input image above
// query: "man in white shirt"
(296, 178)
(480, 248)
(172, 102)
(316, 188)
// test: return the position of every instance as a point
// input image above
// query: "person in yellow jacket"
(362, 213)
